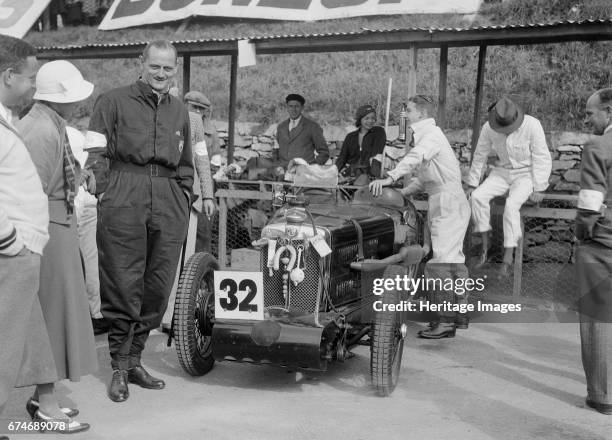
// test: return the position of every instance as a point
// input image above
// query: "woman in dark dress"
(360, 147)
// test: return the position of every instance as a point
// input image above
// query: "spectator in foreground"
(26, 357)
(59, 86)
(594, 255)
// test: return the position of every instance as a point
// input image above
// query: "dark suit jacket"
(596, 178)
(302, 142)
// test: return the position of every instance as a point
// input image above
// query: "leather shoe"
(33, 405)
(140, 376)
(61, 426)
(118, 389)
(462, 321)
(604, 408)
(441, 330)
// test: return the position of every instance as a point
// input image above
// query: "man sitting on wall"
(523, 170)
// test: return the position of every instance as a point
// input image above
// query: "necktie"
(69, 175)
(410, 137)
(292, 124)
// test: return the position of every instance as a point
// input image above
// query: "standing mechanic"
(449, 212)
(140, 150)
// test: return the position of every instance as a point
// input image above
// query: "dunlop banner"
(18, 16)
(126, 13)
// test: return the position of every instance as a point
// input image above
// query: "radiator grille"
(303, 297)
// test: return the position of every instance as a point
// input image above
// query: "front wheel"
(194, 314)
(387, 342)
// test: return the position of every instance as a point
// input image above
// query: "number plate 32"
(239, 295)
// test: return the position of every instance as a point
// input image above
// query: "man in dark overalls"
(140, 151)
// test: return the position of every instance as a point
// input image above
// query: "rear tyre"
(387, 344)
(194, 314)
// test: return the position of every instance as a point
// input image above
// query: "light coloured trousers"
(25, 353)
(520, 186)
(449, 218)
(87, 219)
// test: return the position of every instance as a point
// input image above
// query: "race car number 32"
(239, 295)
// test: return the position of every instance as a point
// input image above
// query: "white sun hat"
(60, 81)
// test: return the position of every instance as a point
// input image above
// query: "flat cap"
(197, 98)
(295, 97)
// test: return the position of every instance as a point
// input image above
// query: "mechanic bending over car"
(449, 212)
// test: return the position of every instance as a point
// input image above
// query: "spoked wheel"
(194, 314)
(387, 341)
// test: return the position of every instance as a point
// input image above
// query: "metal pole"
(482, 55)
(222, 251)
(232, 107)
(442, 86)
(412, 71)
(186, 73)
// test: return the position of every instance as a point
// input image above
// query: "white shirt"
(294, 122)
(525, 147)
(433, 157)
(6, 114)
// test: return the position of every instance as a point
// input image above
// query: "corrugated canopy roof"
(364, 39)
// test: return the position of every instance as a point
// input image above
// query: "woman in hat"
(59, 86)
(362, 145)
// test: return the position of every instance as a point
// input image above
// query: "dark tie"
(410, 137)
(69, 175)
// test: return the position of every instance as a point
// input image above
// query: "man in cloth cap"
(198, 103)
(139, 146)
(594, 255)
(449, 212)
(299, 136)
(522, 170)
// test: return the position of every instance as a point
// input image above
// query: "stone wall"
(566, 149)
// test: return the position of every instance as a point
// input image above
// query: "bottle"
(403, 123)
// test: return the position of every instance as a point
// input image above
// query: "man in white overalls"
(449, 212)
(522, 170)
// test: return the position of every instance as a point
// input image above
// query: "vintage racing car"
(311, 299)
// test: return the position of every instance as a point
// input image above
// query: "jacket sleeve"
(185, 165)
(380, 140)
(320, 144)
(45, 149)
(10, 241)
(202, 167)
(593, 188)
(481, 153)
(342, 157)
(101, 130)
(541, 160)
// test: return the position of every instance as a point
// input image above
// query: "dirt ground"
(493, 381)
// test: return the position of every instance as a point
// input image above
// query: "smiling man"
(140, 150)
(299, 136)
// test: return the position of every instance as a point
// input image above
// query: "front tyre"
(387, 344)
(194, 314)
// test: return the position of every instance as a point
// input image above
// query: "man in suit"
(594, 255)
(299, 136)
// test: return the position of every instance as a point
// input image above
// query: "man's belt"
(150, 169)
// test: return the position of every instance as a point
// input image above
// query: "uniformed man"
(139, 136)
(594, 256)
(449, 212)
